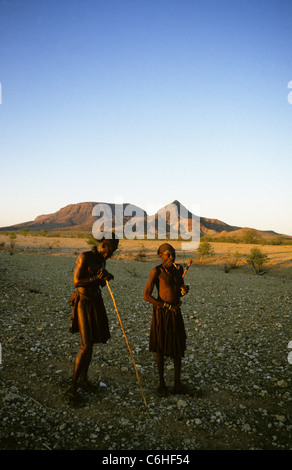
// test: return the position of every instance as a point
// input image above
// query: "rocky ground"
(238, 326)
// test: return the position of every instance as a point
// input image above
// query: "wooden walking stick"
(113, 299)
(190, 262)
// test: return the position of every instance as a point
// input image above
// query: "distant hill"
(79, 217)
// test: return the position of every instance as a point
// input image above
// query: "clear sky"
(147, 101)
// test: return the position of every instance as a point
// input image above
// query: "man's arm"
(81, 277)
(183, 288)
(149, 288)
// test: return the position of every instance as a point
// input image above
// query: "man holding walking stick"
(89, 316)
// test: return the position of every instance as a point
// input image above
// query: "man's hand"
(103, 275)
(184, 290)
(174, 308)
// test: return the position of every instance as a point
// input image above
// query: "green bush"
(257, 259)
(205, 249)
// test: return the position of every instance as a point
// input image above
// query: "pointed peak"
(176, 202)
(173, 203)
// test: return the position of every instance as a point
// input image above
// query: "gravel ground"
(238, 327)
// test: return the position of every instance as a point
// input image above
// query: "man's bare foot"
(181, 389)
(72, 396)
(87, 386)
(162, 390)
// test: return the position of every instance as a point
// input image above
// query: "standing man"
(167, 332)
(89, 316)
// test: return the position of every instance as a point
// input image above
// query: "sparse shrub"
(233, 261)
(236, 258)
(257, 259)
(12, 237)
(92, 241)
(24, 231)
(251, 237)
(141, 255)
(205, 249)
(44, 232)
(279, 240)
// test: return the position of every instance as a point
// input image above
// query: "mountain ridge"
(78, 217)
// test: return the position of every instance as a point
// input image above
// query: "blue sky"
(147, 101)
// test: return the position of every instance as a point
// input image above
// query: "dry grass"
(279, 256)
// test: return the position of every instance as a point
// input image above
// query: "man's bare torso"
(168, 282)
(87, 265)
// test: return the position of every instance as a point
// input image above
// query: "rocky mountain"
(174, 217)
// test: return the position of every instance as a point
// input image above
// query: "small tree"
(12, 237)
(44, 232)
(93, 241)
(205, 249)
(257, 259)
(24, 231)
(233, 261)
(251, 237)
(142, 253)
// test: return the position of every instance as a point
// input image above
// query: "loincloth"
(167, 332)
(93, 313)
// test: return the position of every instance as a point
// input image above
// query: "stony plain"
(238, 327)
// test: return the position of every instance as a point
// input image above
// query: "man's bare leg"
(179, 388)
(83, 357)
(83, 377)
(79, 364)
(160, 365)
(177, 372)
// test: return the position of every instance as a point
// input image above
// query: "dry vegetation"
(238, 326)
(279, 256)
